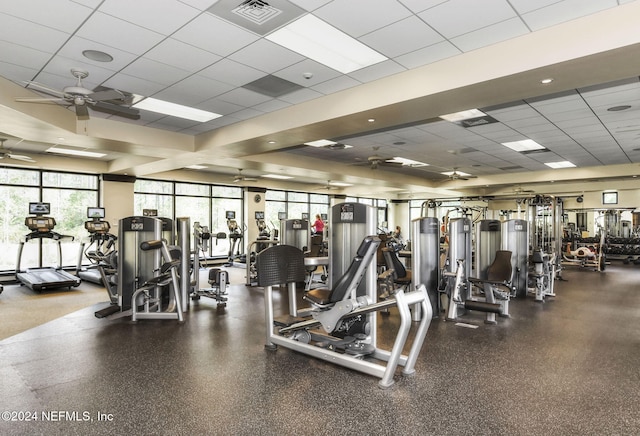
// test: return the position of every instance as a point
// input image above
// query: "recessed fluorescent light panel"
(73, 152)
(317, 40)
(320, 143)
(175, 110)
(277, 176)
(560, 164)
(407, 162)
(463, 115)
(196, 167)
(524, 145)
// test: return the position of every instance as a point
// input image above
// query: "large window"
(206, 204)
(293, 205)
(69, 195)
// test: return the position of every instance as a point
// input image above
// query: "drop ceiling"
(441, 57)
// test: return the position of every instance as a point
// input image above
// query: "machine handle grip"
(151, 245)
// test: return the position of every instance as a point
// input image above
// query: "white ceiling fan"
(458, 175)
(107, 100)
(240, 178)
(375, 161)
(4, 153)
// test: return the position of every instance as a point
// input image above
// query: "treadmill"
(40, 279)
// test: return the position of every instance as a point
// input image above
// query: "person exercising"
(318, 225)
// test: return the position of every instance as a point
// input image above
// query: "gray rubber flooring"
(570, 366)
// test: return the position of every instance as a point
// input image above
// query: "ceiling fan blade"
(20, 157)
(82, 112)
(40, 100)
(108, 94)
(114, 109)
(44, 88)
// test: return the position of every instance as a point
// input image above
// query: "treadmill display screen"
(39, 208)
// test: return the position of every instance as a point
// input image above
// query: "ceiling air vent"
(258, 16)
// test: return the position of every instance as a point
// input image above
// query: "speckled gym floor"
(569, 366)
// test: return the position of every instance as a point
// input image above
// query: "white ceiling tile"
(162, 16)
(401, 37)
(427, 55)
(162, 73)
(559, 12)
(117, 33)
(377, 71)
(359, 17)
(136, 85)
(181, 55)
(300, 96)
(334, 85)
(73, 49)
(61, 67)
(231, 72)
(492, 34)
(193, 90)
(524, 6)
(421, 5)
(244, 97)
(14, 72)
(266, 56)
(271, 105)
(310, 5)
(246, 114)
(68, 15)
(24, 57)
(28, 34)
(215, 35)
(219, 106)
(458, 17)
(295, 73)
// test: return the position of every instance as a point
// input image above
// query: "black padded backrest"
(352, 276)
(537, 256)
(280, 264)
(316, 246)
(393, 262)
(501, 269)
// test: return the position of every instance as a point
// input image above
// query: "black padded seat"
(500, 270)
(401, 275)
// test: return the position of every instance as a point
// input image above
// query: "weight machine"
(218, 278)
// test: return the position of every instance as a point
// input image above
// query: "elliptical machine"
(235, 237)
(100, 251)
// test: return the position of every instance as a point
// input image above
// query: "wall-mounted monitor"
(230, 215)
(95, 212)
(39, 208)
(609, 198)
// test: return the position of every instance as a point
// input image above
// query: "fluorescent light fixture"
(407, 162)
(317, 40)
(73, 152)
(560, 164)
(342, 184)
(175, 110)
(524, 145)
(463, 115)
(277, 176)
(320, 143)
(196, 167)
